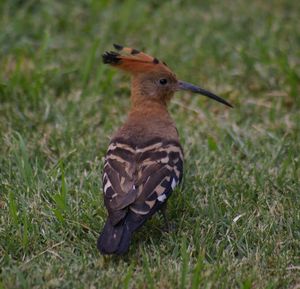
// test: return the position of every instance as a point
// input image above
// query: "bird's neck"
(140, 99)
(151, 106)
(147, 120)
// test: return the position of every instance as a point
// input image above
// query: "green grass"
(237, 212)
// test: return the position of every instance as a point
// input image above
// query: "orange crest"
(133, 61)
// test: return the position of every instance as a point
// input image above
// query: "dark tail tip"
(101, 246)
(114, 239)
(109, 239)
(124, 243)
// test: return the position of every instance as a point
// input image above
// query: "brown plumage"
(144, 161)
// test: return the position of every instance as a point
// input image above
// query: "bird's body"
(143, 165)
(144, 161)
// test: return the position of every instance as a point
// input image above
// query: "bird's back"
(144, 163)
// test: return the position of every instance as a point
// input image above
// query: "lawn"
(237, 212)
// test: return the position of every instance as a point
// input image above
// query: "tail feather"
(109, 239)
(116, 239)
(125, 241)
(131, 224)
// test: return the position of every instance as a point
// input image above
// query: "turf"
(236, 215)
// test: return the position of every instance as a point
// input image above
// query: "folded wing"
(137, 180)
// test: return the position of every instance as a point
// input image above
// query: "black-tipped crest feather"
(135, 51)
(111, 57)
(118, 46)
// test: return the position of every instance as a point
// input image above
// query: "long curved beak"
(188, 86)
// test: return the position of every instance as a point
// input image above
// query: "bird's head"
(151, 78)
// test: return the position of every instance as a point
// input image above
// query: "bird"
(144, 160)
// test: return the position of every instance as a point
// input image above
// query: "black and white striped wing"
(140, 178)
(119, 180)
(160, 171)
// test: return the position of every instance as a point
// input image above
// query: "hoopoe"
(144, 161)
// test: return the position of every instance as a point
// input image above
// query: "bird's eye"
(163, 81)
